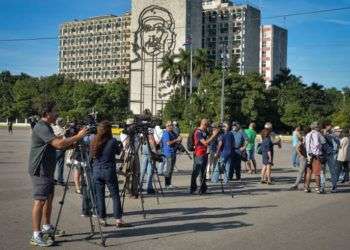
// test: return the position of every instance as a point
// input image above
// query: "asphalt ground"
(258, 217)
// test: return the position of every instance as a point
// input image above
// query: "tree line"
(289, 102)
(22, 96)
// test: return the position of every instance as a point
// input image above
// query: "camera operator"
(103, 149)
(201, 157)
(42, 161)
(169, 141)
(147, 162)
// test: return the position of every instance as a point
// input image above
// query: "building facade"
(273, 51)
(159, 27)
(234, 30)
(96, 49)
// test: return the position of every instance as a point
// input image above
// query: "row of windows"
(112, 24)
(95, 51)
(94, 40)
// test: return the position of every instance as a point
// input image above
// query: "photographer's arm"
(212, 137)
(60, 143)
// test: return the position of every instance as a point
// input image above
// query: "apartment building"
(273, 51)
(96, 49)
(232, 29)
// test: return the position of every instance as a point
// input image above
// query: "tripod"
(86, 179)
(221, 167)
(132, 162)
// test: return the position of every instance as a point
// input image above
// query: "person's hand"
(242, 149)
(179, 139)
(82, 133)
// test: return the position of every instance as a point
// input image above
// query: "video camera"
(89, 123)
(141, 125)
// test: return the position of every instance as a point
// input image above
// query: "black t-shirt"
(42, 158)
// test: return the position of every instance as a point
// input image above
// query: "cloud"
(339, 22)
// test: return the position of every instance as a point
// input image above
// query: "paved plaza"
(258, 217)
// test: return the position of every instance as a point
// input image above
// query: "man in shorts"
(42, 161)
(313, 143)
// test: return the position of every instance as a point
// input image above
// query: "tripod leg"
(61, 202)
(123, 194)
(94, 208)
(155, 171)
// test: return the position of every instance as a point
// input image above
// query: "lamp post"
(189, 43)
(224, 61)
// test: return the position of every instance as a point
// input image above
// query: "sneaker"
(334, 190)
(51, 230)
(39, 241)
(307, 190)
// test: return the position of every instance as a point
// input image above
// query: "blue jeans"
(295, 159)
(59, 165)
(199, 167)
(235, 165)
(223, 164)
(333, 169)
(169, 169)
(146, 168)
(107, 177)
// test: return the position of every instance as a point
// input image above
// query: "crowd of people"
(218, 150)
(317, 149)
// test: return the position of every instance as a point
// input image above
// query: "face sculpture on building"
(156, 32)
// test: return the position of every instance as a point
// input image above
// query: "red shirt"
(199, 148)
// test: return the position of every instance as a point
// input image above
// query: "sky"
(318, 45)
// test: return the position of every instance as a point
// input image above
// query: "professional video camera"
(89, 123)
(141, 124)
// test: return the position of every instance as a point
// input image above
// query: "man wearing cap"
(240, 145)
(169, 141)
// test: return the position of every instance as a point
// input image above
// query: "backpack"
(190, 141)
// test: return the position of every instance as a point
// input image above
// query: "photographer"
(147, 162)
(224, 152)
(103, 149)
(42, 161)
(169, 141)
(201, 157)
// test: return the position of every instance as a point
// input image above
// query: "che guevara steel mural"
(155, 34)
(155, 37)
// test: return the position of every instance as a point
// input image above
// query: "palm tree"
(201, 63)
(170, 67)
(183, 62)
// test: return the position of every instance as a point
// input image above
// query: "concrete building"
(273, 51)
(159, 27)
(234, 29)
(96, 49)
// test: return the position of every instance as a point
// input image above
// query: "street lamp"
(189, 42)
(224, 60)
